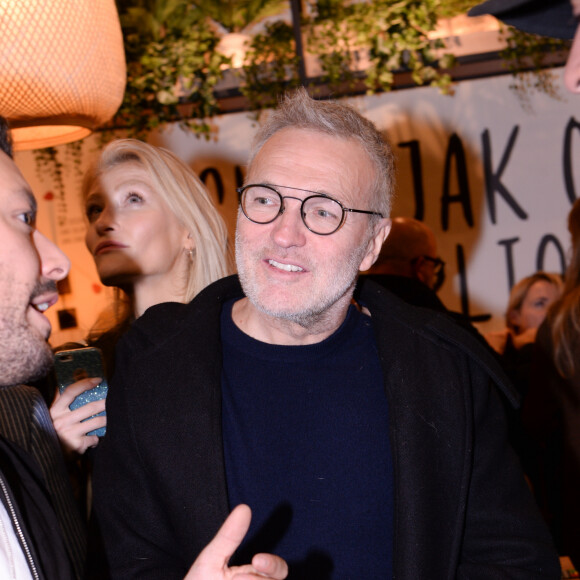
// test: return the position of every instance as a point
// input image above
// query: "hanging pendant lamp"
(62, 68)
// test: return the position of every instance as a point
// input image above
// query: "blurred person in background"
(528, 305)
(551, 412)
(409, 267)
(408, 264)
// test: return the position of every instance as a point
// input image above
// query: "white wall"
(417, 120)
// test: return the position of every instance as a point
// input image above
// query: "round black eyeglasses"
(438, 263)
(321, 214)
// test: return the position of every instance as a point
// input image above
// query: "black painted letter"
(417, 173)
(568, 176)
(493, 180)
(509, 259)
(217, 178)
(455, 151)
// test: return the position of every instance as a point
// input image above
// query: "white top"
(13, 564)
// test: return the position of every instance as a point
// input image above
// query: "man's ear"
(382, 229)
(418, 274)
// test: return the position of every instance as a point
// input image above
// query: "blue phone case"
(71, 366)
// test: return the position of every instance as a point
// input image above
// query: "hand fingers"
(79, 424)
(250, 573)
(263, 566)
(213, 559)
(88, 410)
(229, 536)
(76, 439)
(72, 426)
(270, 566)
(93, 423)
(89, 441)
(65, 418)
(74, 390)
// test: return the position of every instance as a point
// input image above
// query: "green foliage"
(451, 8)
(271, 66)
(172, 66)
(393, 33)
(174, 63)
(47, 162)
(529, 52)
(235, 15)
(330, 36)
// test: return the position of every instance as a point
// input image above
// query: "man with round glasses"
(320, 213)
(368, 439)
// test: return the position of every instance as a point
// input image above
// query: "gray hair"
(299, 111)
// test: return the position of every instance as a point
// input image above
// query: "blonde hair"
(185, 195)
(520, 290)
(564, 315)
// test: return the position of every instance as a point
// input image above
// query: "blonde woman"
(528, 304)
(155, 235)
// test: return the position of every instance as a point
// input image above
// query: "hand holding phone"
(79, 367)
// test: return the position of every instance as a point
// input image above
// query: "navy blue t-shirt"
(306, 446)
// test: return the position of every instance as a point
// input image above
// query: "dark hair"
(564, 315)
(5, 139)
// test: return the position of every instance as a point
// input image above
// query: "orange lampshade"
(62, 68)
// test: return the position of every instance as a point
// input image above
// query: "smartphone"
(71, 366)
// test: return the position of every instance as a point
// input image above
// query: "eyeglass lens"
(438, 263)
(320, 214)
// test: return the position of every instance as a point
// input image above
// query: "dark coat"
(462, 508)
(25, 497)
(409, 290)
(550, 416)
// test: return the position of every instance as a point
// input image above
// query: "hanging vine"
(528, 52)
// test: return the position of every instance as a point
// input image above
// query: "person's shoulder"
(390, 308)
(165, 322)
(21, 397)
(408, 289)
(424, 327)
(385, 303)
(24, 392)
